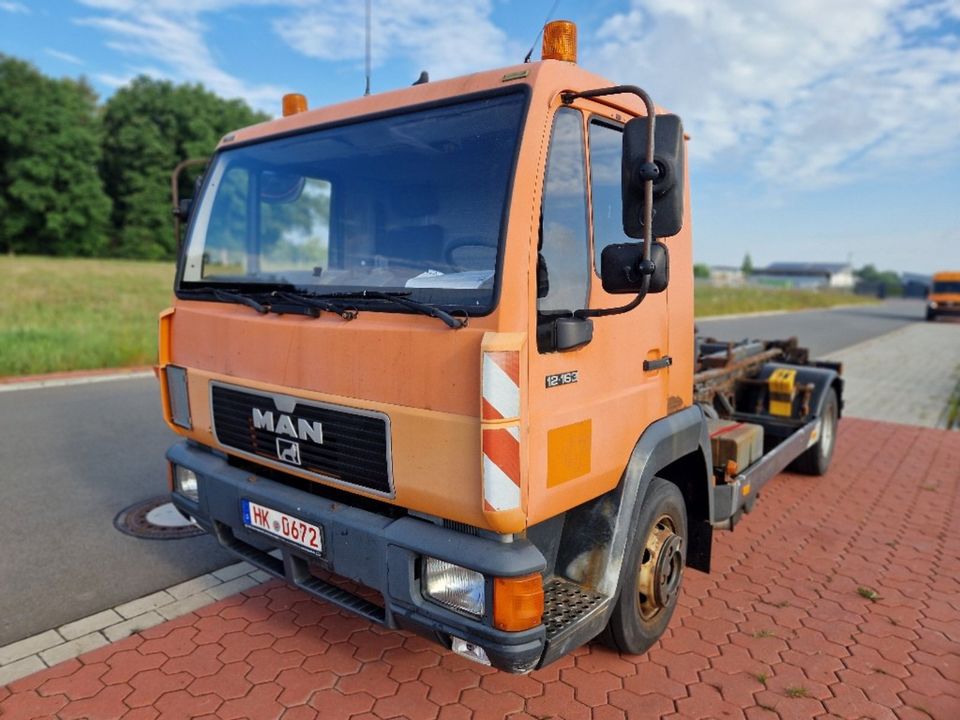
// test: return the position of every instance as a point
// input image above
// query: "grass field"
(58, 314)
(727, 301)
(73, 314)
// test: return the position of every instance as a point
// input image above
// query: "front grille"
(355, 448)
(461, 527)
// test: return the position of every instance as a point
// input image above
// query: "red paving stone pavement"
(778, 630)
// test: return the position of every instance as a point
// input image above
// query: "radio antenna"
(367, 62)
(553, 9)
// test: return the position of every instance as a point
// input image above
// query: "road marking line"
(62, 382)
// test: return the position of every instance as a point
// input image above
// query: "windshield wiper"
(230, 296)
(312, 302)
(398, 298)
(264, 302)
(315, 301)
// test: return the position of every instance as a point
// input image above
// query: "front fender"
(596, 533)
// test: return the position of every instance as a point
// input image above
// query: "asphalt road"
(73, 457)
(822, 331)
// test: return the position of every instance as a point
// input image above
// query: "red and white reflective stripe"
(501, 468)
(501, 385)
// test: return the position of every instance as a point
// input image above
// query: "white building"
(726, 276)
(806, 275)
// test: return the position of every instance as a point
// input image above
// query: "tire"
(931, 315)
(658, 537)
(816, 459)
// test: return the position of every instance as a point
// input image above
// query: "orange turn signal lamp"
(517, 602)
(560, 41)
(294, 103)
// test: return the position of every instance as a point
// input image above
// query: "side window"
(564, 243)
(606, 147)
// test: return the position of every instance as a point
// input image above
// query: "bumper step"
(297, 572)
(343, 598)
(565, 604)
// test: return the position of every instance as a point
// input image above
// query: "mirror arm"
(175, 196)
(649, 172)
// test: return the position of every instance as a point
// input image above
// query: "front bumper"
(952, 308)
(364, 547)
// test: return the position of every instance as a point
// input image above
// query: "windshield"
(409, 203)
(947, 286)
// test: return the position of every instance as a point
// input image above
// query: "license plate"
(273, 522)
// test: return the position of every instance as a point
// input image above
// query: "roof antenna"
(367, 53)
(553, 9)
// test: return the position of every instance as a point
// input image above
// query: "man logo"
(288, 451)
(296, 428)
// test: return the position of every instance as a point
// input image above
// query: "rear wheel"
(653, 571)
(816, 459)
(931, 315)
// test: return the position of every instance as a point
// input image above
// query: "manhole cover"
(155, 519)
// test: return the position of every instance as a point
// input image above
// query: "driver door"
(589, 405)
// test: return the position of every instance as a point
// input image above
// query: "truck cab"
(944, 295)
(405, 377)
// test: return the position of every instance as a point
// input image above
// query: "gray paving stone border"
(50, 647)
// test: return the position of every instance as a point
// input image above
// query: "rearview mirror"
(564, 332)
(278, 188)
(182, 211)
(620, 268)
(667, 188)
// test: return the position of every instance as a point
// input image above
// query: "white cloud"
(171, 34)
(14, 7)
(65, 56)
(793, 95)
(446, 38)
(806, 94)
(111, 80)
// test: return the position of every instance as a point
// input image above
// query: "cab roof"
(546, 78)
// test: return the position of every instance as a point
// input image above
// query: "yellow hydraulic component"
(783, 389)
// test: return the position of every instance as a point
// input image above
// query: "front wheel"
(653, 571)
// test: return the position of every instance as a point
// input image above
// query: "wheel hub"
(661, 566)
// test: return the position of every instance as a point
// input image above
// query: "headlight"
(933, 305)
(177, 393)
(453, 586)
(186, 483)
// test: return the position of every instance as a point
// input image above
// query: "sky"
(822, 130)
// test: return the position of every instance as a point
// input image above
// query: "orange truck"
(432, 358)
(944, 296)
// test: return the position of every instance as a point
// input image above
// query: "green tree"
(867, 273)
(149, 127)
(747, 265)
(52, 201)
(886, 283)
(701, 270)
